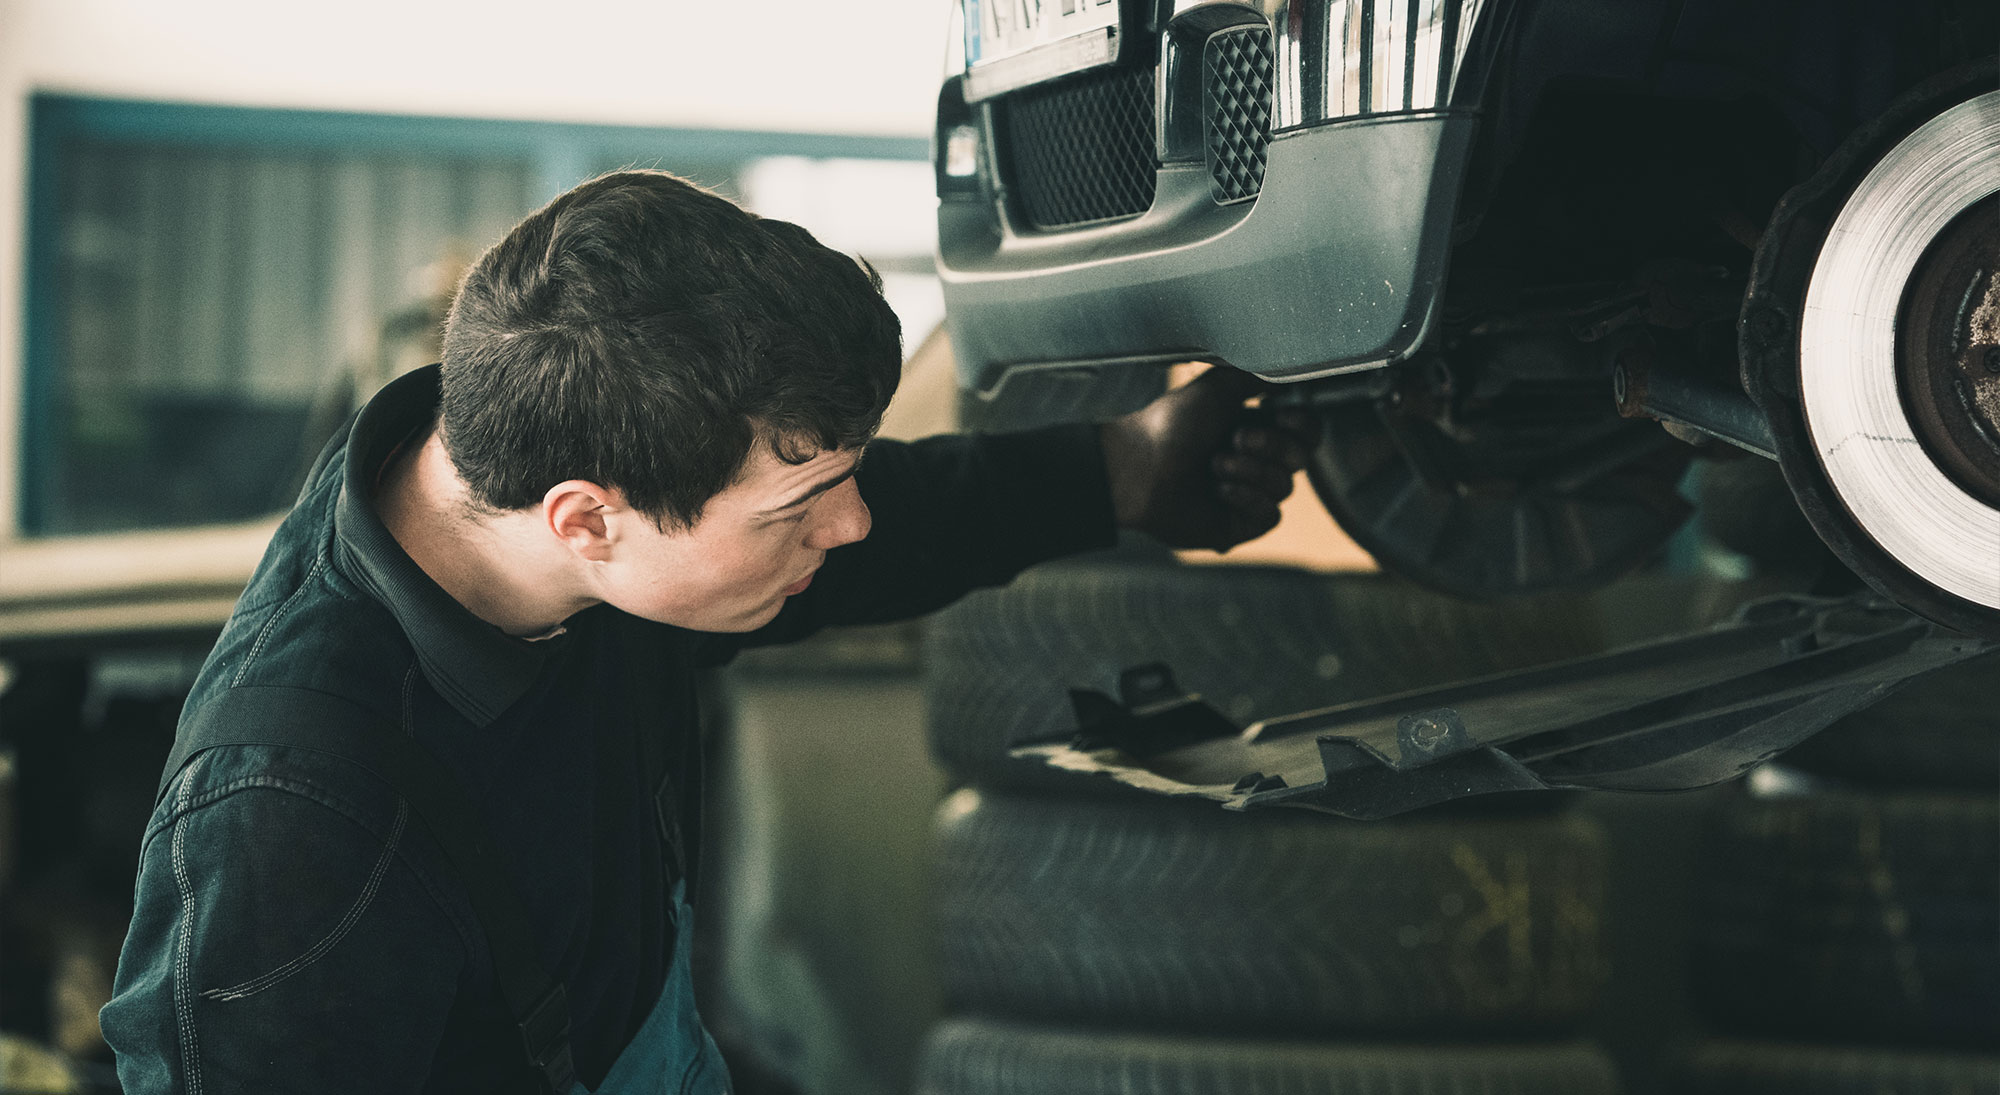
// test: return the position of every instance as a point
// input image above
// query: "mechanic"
(642, 452)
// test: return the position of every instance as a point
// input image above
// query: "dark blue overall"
(672, 1054)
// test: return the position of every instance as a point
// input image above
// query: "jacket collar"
(477, 668)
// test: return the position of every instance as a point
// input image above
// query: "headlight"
(961, 152)
(957, 147)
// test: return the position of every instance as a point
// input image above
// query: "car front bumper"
(1335, 266)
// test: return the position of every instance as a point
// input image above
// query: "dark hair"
(643, 333)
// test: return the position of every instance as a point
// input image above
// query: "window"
(212, 290)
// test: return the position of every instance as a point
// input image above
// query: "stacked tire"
(1096, 941)
(1847, 934)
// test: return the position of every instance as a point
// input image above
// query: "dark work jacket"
(296, 927)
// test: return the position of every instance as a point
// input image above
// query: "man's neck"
(496, 566)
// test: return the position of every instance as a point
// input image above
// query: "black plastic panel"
(1236, 110)
(1080, 150)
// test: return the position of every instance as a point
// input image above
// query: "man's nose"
(846, 520)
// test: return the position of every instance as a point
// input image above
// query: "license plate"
(1010, 44)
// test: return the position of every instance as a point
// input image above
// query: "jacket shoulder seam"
(441, 892)
(277, 615)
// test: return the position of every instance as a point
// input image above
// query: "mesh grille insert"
(1080, 150)
(1236, 110)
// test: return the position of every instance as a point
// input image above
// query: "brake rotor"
(1886, 403)
(1543, 488)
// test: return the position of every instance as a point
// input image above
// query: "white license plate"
(1010, 44)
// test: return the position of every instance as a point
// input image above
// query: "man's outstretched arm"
(1193, 469)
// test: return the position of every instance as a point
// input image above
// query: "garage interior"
(218, 238)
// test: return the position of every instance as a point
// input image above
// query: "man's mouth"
(799, 586)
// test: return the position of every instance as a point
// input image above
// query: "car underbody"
(1528, 262)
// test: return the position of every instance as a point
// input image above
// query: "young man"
(643, 451)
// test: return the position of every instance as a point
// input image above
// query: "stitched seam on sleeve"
(264, 634)
(183, 981)
(305, 789)
(471, 936)
(340, 930)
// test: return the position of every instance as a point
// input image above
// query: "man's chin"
(721, 625)
(757, 619)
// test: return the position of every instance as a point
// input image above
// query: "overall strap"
(301, 718)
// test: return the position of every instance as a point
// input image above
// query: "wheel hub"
(1948, 350)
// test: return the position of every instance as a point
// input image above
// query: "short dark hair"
(642, 333)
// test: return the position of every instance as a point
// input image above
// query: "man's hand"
(1197, 469)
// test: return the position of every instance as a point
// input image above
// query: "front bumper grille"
(1236, 110)
(1080, 150)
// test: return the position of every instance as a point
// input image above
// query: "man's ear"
(579, 514)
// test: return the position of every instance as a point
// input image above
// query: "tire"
(1255, 642)
(1176, 916)
(1867, 916)
(982, 1058)
(1740, 1068)
(1942, 731)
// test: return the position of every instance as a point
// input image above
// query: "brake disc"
(1921, 223)
(1871, 338)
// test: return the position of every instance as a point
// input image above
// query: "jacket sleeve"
(952, 514)
(280, 942)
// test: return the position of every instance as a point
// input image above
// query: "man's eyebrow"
(817, 489)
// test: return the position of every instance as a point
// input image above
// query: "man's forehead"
(764, 473)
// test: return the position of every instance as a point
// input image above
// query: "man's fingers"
(1261, 477)
(1242, 501)
(1277, 444)
(1255, 525)
(1208, 471)
(1302, 429)
(1249, 516)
